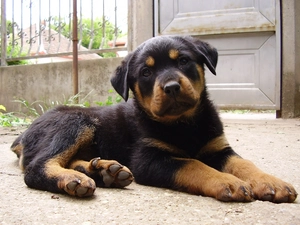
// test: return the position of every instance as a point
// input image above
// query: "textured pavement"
(273, 145)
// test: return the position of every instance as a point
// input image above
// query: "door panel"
(246, 34)
(243, 71)
(216, 16)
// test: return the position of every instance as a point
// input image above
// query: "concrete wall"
(53, 81)
(140, 22)
(290, 96)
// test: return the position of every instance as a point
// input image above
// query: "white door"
(247, 36)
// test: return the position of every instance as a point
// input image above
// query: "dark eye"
(146, 72)
(183, 60)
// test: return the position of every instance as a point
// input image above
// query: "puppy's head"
(166, 76)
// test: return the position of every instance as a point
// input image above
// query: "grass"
(111, 100)
(37, 108)
(10, 119)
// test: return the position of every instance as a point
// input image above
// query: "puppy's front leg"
(197, 178)
(265, 187)
(189, 175)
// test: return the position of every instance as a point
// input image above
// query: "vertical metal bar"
(49, 28)
(75, 51)
(92, 27)
(3, 33)
(21, 31)
(39, 30)
(13, 30)
(70, 25)
(116, 25)
(103, 26)
(80, 26)
(59, 27)
(30, 29)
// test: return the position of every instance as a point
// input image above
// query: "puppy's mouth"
(175, 107)
(174, 100)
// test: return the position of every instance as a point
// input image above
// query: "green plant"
(74, 100)
(38, 108)
(9, 119)
(110, 99)
(31, 111)
(13, 49)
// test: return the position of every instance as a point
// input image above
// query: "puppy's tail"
(17, 148)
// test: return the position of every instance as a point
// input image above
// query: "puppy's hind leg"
(106, 173)
(51, 174)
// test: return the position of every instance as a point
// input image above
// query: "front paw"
(230, 188)
(269, 188)
(77, 184)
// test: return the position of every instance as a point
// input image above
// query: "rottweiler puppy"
(169, 135)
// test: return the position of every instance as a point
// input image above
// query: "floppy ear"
(209, 53)
(119, 79)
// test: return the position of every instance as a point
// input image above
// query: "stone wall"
(53, 82)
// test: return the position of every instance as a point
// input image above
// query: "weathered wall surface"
(53, 81)
(290, 59)
(140, 22)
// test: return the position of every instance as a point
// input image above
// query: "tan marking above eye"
(150, 61)
(173, 54)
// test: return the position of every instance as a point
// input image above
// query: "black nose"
(172, 88)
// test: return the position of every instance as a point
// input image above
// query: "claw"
(226, 196)
(244, 190)
(95, 162)
(289, 190)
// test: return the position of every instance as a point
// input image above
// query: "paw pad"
(77, 188)
(114, 168)
(112, 173)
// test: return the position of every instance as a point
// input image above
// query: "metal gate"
(247, 36)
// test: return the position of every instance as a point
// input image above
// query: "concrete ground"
(273, 145)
